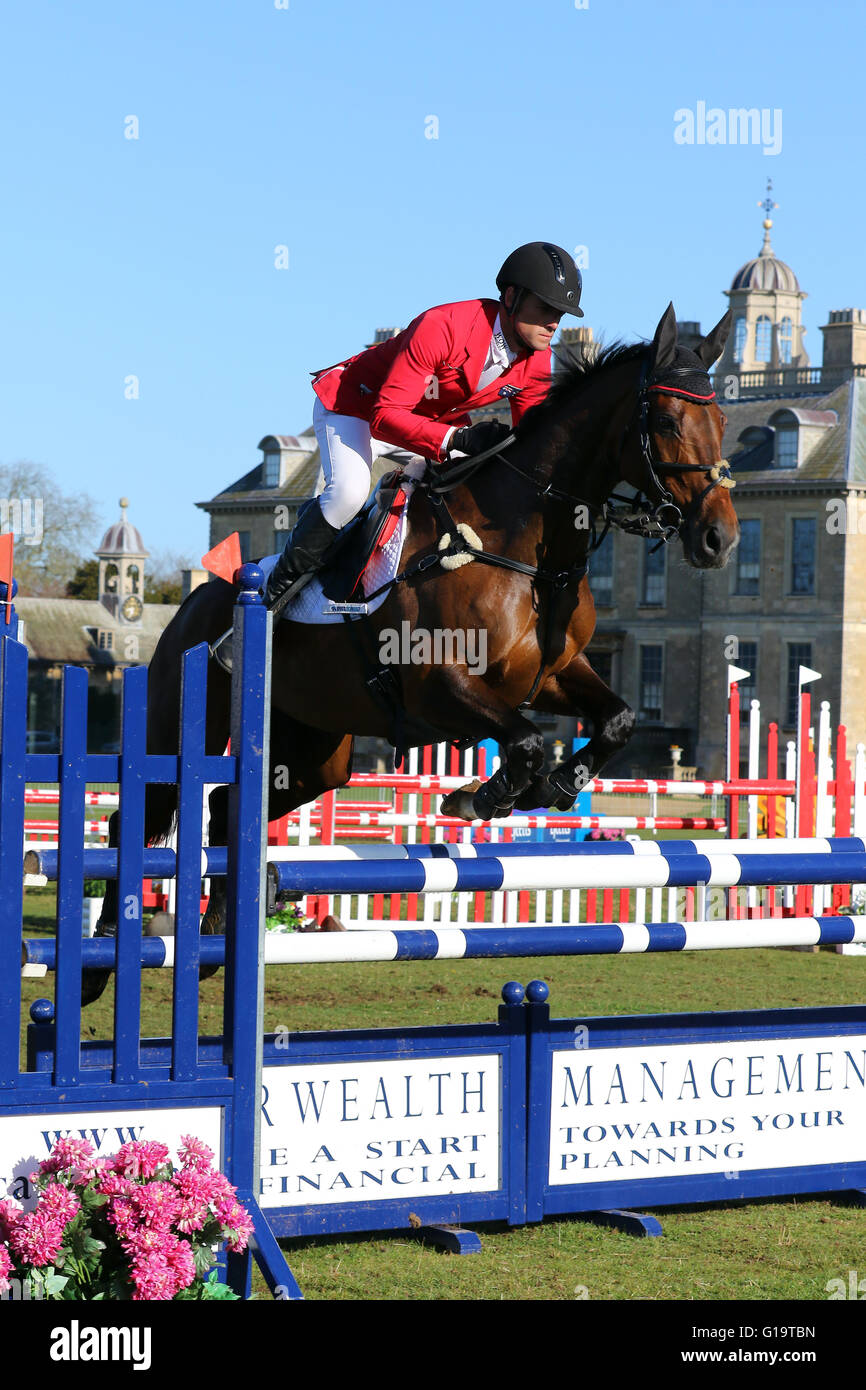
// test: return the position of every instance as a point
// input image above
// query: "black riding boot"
(307, 549)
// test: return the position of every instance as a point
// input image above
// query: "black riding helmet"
(547, 271)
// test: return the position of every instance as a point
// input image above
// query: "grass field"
(757, 1250)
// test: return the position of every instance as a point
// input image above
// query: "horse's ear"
(711, 347)
(664, 344)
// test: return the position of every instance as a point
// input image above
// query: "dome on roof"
(122, 538)
(766, 271)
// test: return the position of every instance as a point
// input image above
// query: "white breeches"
(347, 452)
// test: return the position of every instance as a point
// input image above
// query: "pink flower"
(113, 1185)
(140, 1159)
(194, 1153)
(160, 1266)
(70, 1154)
(6, 1267)
(10, 1215)
(37, 1238)
(182, 1261)
(197, 1190)
(58, 1202)
(123, 1215)
(158, 1204)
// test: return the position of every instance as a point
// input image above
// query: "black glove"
(475, 439)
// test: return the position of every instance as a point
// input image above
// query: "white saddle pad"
(310, 605)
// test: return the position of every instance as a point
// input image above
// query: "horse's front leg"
(578, 690)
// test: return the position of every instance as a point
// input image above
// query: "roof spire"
(768, 205)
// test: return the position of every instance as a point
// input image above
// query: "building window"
(799, 654)
(786, 341)
(763, 339)
(106, 641)
(601, 572)
(244, 538)
(602, 665)
(749, 560)
(650, 685)
(653, 593)
(740, 335)
(748, 688)
(787, 441)
(271, 470)
(803, 538)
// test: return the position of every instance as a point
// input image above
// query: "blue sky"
(305, 126)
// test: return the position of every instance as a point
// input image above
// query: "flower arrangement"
(605, 835)
(132, 1226)
(289, 917)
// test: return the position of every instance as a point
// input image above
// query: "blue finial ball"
(512, 993)
(537, 991)
(4, 594)
(42, 1011)
(249, 579)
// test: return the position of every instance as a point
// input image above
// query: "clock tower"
(121, 556)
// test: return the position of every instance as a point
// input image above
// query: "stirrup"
(222, 651)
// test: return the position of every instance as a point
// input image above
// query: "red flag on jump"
(7, 547)
(225, 558)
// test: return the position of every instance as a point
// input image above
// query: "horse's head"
(670, 447)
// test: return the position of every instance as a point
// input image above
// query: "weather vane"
(768, 205)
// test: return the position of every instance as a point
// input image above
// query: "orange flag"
(7, 547)
(225, 558)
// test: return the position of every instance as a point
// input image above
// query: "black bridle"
(665, 519)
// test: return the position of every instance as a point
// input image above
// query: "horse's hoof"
(328, 923)
(460, 803)
(212, 924)
(93, 984)
(160, 924)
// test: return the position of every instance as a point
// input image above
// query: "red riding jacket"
(415, 387)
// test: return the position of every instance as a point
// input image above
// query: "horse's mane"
(578, 375)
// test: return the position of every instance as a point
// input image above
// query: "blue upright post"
(245, 926)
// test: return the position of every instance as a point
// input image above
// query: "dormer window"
(271, 468)
(787, 446)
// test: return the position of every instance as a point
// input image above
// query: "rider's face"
(535, 321)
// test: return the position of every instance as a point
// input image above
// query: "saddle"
(342, 578)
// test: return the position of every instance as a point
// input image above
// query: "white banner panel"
(659, 1111)
(348, 1131)
(26, 1139)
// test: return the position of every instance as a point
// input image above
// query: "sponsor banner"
(372, 1131)
(27, 1139)
(720, 1107)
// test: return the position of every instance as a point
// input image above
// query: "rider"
(415, 390)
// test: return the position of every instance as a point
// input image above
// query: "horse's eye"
(668, 425)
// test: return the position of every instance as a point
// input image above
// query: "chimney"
(689, 334)
(844, 340)
(574, 345)
(191, 579)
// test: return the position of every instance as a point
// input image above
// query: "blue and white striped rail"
(541, 871)
(486, 943)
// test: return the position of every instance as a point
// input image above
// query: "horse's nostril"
(712, 540)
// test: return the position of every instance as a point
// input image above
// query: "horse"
(527, 520)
